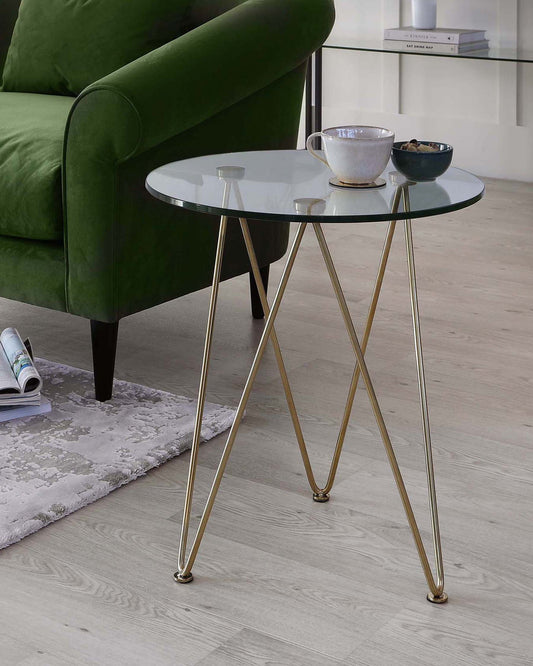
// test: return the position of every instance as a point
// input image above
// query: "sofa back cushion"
(32, 128)
(62, 46)
(8, 15)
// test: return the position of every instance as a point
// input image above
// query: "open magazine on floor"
(20, 383)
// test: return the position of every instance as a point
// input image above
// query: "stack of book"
(438, 40)
(20, 383)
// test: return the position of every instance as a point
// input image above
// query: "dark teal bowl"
(421, 166)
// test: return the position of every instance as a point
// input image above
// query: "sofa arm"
(207, 70)
(240, 73)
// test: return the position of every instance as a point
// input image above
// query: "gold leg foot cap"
(441, 599)
(183, 578)
(320, 497)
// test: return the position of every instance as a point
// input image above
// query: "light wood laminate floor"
(279, 578)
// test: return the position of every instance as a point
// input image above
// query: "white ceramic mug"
(357, 154)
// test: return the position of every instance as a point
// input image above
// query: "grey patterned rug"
(56, 463)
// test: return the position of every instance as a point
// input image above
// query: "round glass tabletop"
(291, 185)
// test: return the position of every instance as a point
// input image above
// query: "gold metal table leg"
(436, 594)
(184, 575)
(366, 336)
(279, 358)
(320, 494)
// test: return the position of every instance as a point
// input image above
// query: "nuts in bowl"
(421, 160)
(416, 146)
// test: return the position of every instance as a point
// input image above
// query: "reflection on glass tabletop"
(291, 185)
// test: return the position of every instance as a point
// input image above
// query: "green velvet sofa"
(97, 94)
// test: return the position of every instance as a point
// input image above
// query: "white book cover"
(422, 47)
(438, 35)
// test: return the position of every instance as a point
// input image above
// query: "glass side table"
(291, 186)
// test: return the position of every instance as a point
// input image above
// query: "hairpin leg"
(366, 336)
(279, 358)
(322, 494)
(437, 594)
(184, 575)
(181, 576)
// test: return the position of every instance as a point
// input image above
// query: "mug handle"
(309, 146)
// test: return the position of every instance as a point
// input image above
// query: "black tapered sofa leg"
(257, 308)
(104, 342)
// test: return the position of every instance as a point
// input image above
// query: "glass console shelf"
(313, 105)
(376, 46)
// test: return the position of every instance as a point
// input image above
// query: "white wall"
(484, 109)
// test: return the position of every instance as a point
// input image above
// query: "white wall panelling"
(485, 109)
(392, 93)
(508, 37)
(525, 71)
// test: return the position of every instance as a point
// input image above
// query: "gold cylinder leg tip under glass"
(436, 594)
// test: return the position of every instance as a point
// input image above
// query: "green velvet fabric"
(127, 256)
(190, 97)
(8, 15)
(32, 131)
(233, 83)
(205, 71)
(32, 272)
(61, 46)
(203, 11)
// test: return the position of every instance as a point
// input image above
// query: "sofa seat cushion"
(32, 128)
(62, 46)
